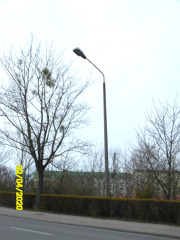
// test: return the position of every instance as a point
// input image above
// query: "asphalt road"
(12, 228)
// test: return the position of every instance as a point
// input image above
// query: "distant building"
(91, 183)
(163, 184)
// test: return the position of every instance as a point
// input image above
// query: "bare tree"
(7, 179)
(119, 179)
(4, 153)
(43, 104)
(4, 157)
(158, 148)
(94, 164)
(22, 157)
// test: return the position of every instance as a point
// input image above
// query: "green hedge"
(159, 211)
(8, 199)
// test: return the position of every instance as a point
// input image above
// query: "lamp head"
(79, 52)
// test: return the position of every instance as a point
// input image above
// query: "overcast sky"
(135, 43)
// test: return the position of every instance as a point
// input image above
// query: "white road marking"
(31, 231)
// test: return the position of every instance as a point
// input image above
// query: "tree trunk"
(40, 188)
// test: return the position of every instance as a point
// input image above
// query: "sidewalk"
(124, 226)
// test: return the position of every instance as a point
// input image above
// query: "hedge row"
(159, 211)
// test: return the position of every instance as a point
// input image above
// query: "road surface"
(12, 228)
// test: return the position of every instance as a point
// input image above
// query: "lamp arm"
(97, 69)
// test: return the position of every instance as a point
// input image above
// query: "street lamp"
(80, 53)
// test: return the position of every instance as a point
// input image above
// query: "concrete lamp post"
(80, 53)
